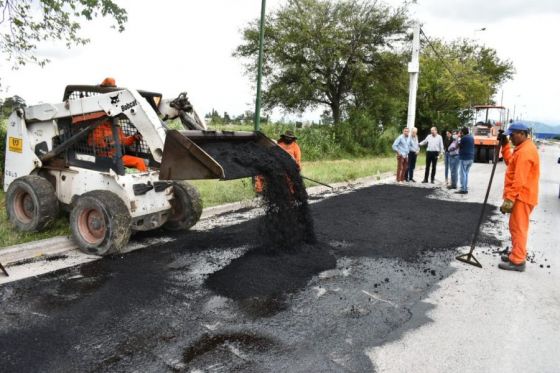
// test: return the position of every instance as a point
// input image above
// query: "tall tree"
(315, 50)
(455, 76)
(26, 23)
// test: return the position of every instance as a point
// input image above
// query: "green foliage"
(29, 22)
(461, 74)
(318, 51)
(9, 104)
(360, 138)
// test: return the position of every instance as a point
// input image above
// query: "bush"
(359, 138)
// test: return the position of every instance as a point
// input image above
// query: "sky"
(171, 46)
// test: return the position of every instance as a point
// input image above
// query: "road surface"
(381, 292)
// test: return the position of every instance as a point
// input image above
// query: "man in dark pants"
(447, 140)
(434, 149)
(466, 159)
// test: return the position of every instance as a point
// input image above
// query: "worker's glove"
(502, 138)
(138, 136)
(506, 207)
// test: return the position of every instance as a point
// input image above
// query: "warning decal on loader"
(15, 144)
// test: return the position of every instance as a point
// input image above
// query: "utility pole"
(259, 72)
(413, 70)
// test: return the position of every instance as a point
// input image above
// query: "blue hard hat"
(516, 126)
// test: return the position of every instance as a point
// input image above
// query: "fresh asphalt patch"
(219, 298)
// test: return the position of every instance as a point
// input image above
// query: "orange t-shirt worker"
(287, 142)
(521, 191)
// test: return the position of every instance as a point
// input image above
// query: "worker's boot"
(505, 258)
(509, 266)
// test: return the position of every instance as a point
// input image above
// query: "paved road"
(491, 320)
(353, 307)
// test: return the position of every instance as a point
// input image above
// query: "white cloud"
(489, 11)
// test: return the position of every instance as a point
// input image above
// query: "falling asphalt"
(216, 299)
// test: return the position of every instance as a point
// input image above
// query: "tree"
(315, 50)
(26, 23)
(11, 103)
(227, 118)
(454, 77)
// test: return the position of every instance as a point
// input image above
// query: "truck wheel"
(31, 203)
(186, 207)
(492, 155)
(100, 223)
(477, 155)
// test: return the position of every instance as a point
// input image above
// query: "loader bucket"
(194, 154)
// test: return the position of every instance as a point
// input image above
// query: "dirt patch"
(208, 343)
(47, 258)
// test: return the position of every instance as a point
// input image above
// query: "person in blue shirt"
(466, 159)
(402, 147)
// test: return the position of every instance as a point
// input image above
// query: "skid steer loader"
(57, 157)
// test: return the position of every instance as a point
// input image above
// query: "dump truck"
(488, 121)
(74, 156)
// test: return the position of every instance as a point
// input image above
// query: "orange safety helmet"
(108, 82)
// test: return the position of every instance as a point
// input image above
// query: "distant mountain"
(539, 127)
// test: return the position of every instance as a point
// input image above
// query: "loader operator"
(521, 190)
(102, 138)
(287, 142)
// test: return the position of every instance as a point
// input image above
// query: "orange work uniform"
(522, 187)
(102, 137)
(293, 150)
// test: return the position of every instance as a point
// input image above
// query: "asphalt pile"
(287, 222)
(383, 221)
(286, 254)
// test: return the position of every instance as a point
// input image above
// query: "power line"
(438, 55)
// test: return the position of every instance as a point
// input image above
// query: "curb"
(61, 244)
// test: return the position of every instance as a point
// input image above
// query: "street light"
(259, 69)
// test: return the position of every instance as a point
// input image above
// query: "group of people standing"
(457, 148)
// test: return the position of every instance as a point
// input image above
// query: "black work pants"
(431, 160)
(411, 166)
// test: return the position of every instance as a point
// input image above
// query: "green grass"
(9, 236)
(215, 192)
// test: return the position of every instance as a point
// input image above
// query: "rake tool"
(317, 182)
(469, 257)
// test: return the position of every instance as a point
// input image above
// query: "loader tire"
(100, 223)
(186, 207)
(31, 203)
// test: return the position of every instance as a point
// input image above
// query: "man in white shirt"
(434, 149)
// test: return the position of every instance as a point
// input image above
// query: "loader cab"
(98, 150)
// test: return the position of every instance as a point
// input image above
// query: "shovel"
(469, 257)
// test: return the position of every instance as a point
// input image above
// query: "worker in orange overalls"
(102, 138)
(521, 191)
(287, 142)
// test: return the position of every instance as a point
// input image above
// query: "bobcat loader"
(52, 164)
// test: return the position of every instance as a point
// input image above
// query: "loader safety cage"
(86, 152)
